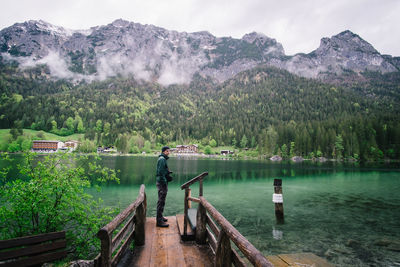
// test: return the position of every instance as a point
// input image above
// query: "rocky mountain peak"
(156, 54)
(345, 41)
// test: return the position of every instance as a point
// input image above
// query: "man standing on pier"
(162, 185)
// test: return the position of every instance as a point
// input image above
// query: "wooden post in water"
(277, 198)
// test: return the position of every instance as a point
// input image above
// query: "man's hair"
(164, 148)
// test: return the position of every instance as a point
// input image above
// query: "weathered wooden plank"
(42, 258)
(175, 255)
(302, 259)
(277, 262)
(31, 250)
(196, 256)
(159, 251)
(254, 256)
(195, 179)
(142, 254)
(29, 240)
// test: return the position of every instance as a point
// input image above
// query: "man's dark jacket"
(162, 169)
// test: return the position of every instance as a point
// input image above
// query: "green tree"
(87, 146)
(14, 133)
(99, 126)
(292, 152)
(14, 147)
(284, 151)
(271, 140)
(69, 124)
(339, 146)
(53, 126)
(243, 142)
(213, 143)
(147, 146)
(207, 150)
(49, 195)
(26, 144)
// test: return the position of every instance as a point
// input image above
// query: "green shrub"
(49, 195)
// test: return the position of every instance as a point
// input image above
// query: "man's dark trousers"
(162, 194)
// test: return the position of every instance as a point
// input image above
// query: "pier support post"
(140, 225)
(106, 243)
(185, 217)
(277, 198)
(223, 254)
(201, 225)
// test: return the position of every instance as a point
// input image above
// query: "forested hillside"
(266, 109)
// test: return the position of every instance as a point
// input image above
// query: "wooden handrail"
(134, 229)
(251, 253)
(111, 226)
(192, 181)
(188, 198)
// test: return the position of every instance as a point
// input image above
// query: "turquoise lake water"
(346, 213)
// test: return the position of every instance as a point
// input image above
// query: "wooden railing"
(188, 197)
(33, 250)
(211, 226)
(134, 217)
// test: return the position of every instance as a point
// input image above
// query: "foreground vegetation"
(48, 194)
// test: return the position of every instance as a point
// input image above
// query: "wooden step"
(190, 233)
(192, 213)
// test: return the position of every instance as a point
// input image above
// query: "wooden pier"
(203, 238)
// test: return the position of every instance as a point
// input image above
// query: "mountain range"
(154, 54)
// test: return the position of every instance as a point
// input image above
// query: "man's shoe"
(164, 219)
(162, 224)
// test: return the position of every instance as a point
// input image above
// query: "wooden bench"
(33, 250)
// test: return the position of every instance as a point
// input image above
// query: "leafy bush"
(49, 195)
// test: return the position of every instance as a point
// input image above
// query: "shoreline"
(215, 156)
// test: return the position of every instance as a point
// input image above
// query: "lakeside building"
(110, 149)
(226, 152)
(53, 146)
(186, 149)
(71, 145)
(46, 145)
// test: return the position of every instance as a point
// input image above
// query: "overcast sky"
(297, 24)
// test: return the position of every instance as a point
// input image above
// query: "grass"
(46, 136)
